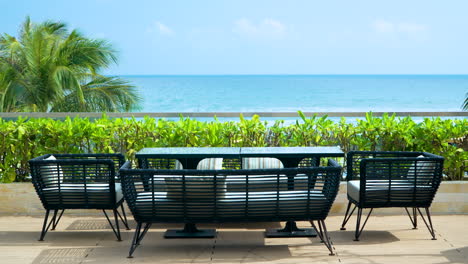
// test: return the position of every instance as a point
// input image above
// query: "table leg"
(190, 231)
(291, 229)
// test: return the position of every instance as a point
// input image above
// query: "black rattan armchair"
(218, 196)
(78, 181)
(392, 179)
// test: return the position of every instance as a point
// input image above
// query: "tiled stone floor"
(386, 239)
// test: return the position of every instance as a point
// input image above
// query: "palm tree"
(49, 68)
(465, 104)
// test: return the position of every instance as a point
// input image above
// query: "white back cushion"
(261, 163)
(423, 167)
(204, 164)
(52, 174)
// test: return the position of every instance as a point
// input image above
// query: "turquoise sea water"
(321, 93)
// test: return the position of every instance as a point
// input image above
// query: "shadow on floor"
(367, 237)
(456, 255)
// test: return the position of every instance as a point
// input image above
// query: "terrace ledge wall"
(21, 199)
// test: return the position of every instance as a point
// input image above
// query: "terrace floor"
(386, 239)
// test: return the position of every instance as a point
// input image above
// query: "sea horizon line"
(292, 75)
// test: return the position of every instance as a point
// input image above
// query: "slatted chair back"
(72, 181)
(198, 196)
(393, 179)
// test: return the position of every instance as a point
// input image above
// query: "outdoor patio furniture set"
(219, 185)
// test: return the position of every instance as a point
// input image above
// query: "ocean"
(291, 93)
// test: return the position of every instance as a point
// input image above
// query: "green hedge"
(23, 139)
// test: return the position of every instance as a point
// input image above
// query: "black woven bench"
(220, 196)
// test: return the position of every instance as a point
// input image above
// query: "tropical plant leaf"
(57, 70)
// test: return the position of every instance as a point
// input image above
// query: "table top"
(334, 151)
(208, 152)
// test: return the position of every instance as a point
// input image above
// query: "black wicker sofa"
(192, 196)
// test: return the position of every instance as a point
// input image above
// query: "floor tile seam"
(91, 249)
(213, 248)
(446, 240)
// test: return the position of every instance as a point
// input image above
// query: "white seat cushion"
(233, 205)
(261, 163)
(385, 188)
(97, 192)
(353, 189)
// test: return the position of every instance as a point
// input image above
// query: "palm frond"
(465, 104)
(58, 70)
(10, 90)
(102, 94)
(53, 28)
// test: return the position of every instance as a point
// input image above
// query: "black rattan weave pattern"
(379, 179)
(387, 180)
(77, 181)
(230, 195)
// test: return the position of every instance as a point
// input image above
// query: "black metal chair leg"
(134, 244)
(319, 230)
(56, 220)
(119, 238)
(124, 220)
(347, 217)
(115, 229)
(52, 221)
(45, 227)
(415, 215)
(413, 218)
(428, 225)
(319, 233)
(326, 237)
(137, 237)
(358, 223)
(145, 230)
(323, 235)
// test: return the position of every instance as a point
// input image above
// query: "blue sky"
(266, 37)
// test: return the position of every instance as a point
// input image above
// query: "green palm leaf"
(101, 94)
(465, 104)
(57, 70)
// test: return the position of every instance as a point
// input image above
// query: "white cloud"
(267, 28)
(274, 25)
(411, 27)
(161, 29)
(244, 26)
(383, 26)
